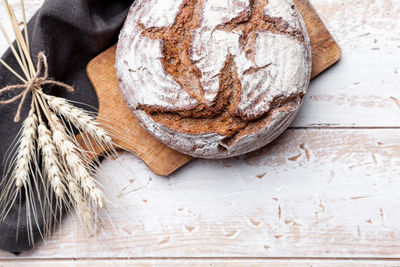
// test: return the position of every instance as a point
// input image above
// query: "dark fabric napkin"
(70, 33)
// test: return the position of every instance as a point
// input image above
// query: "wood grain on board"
(325, 50)
(159, 158)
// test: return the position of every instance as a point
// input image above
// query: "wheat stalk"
(66, 170)
(80, 118)
(74, 161)
(53, 172)
(19, 185)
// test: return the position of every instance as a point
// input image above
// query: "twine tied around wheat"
(35, 83)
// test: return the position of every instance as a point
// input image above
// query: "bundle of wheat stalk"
(49, 166)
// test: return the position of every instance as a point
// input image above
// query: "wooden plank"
(202, 262)
(159, 158)
(362, 90)
(313, 193)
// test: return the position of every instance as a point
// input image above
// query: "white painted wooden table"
(327, 192)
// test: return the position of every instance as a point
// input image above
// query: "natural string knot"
(36, 82)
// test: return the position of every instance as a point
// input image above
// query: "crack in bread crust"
(228, 97)
(224, 123)
(222, 116)
(177, 40)
(253, 21)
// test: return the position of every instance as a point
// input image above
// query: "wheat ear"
(21, 164)
(85, 214)
(52, 166)
(75, 162)
(79, 118)
(51, 171)
(26, 150)
(20, 185)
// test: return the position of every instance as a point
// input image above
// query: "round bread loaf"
(214, 78)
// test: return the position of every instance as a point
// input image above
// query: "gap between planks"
(205, 262)
(26, 259)
(344, 128)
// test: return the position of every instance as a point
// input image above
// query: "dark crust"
(221, 116)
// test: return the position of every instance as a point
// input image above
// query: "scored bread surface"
(214, 78)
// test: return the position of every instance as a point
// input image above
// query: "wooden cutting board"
(129, 135)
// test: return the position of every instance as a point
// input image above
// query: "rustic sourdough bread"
(214, 78)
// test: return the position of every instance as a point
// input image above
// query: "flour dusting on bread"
(211, 78)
